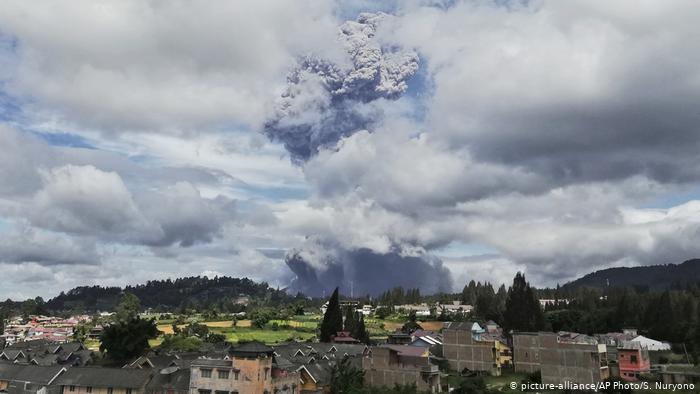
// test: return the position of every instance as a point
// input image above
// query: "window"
(88, 389)
(221, 392)
(206, 373)
(223, 374)
(204, 391)
(235, 375)
(71, 388)
(633, 359)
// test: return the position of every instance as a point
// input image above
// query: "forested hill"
(654, 277)
(169, 295)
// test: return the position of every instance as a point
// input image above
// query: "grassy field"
(298, 328)
(92, 344)
(267, 336)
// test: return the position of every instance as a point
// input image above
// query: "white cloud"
(168, 66)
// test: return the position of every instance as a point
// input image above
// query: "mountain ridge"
(654, 277)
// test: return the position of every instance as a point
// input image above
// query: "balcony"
(430, 369)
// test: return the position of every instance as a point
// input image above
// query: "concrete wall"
(526, 353)
(461, 351)
(559, 362)
(254, 377)
(385, 368)
(288, 379)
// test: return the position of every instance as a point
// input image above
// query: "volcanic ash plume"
(325, 101)
(362, 271)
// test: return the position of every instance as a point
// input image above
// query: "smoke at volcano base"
(362, 271)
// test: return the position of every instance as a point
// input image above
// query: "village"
(43, 354)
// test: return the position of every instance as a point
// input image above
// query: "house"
(96, 380)
(246, 369)
(209, 376)
(26, 379)
(399, 338)
(561, 357)
(153, 361)
(455, 307)
(553, 301)
(46, 353)
(315, 378)
(242, 299)
(299, 354)
(470, 348)
(170, 380)
(389, 365)
(343, 337)
(313, 362)
(95, 332)
(366, 310)
(420, 310)
(632, 360)
(651, 344)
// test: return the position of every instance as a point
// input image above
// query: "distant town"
(482, 340)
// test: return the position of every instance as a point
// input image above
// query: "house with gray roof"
(95, 380)
(26, 379)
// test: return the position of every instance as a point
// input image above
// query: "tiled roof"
(29, 373)
(205, 362)
(409, 351)
(104, 377)
(253, 347)
(320, 372)
(165, 380)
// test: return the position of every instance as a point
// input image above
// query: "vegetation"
(124, 340)
(346, 378)
(523, 311)
(128, 335)
(657, 278)
(332, 320)
(193, 293)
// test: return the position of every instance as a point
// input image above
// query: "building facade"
(561, 357)
(468, 347)
(390, 365)
(632, 360)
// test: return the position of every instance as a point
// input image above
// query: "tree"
(350, 324)
(80, 332)
(346, 378)
(523, 311)
(124, 340)
(361, 333)
(332, 319)
(179, 343)
(196, 330)
(261, 316)
(411, 325)
(128, 308)
(213, 337)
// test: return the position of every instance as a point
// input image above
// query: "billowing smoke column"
(362, 271)
(326, 101)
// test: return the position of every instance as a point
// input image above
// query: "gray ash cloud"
(325, 101)
(366, 272)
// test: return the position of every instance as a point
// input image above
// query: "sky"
(360, 144)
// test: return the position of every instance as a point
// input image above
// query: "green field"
(266, 335)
